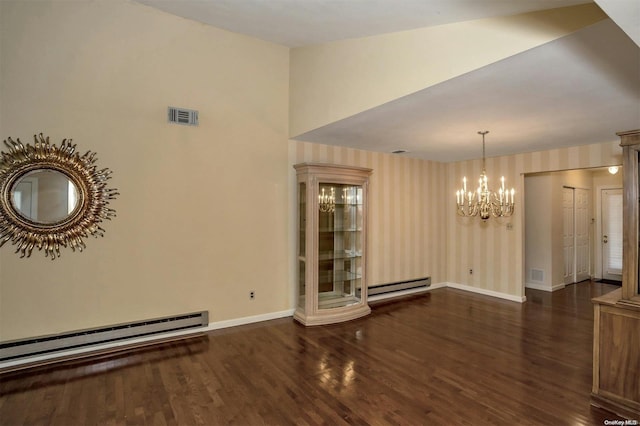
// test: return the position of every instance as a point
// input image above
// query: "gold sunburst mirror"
(51, 196)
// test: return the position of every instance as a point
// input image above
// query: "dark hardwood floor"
(445, 358)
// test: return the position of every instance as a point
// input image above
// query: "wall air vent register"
(187, 117)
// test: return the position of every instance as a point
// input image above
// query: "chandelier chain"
(483, 154)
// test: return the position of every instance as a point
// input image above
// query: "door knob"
(604, 239)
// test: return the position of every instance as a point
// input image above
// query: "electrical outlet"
(252, 295)
(470, 271)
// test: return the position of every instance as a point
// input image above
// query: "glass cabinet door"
(340, 229)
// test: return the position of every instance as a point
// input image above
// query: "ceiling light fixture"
(483, 201)
(613, 170)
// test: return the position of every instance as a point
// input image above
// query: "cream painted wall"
(202, 215)
(406, 239)
(604, 178)
(347, 77)
(580, 178)
(538, 229)
(546, 218)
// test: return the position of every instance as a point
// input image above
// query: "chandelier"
(483, 201)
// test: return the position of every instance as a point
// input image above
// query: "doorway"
(556, 254)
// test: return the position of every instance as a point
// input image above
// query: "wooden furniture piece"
(332, 221)
(616, 328)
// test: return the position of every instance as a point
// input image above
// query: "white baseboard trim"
(543, 287)
(248, 320)
(537, 286)
(511, 297)
(405, 292)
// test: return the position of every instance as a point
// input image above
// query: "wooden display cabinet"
(616, 330)
(332, 222)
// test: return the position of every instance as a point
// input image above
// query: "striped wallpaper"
(406, 237)
(413, 228)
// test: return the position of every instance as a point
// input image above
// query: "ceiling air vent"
(188, 117)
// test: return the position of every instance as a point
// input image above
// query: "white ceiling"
(577, 90)
(572, 91)
(297, 23)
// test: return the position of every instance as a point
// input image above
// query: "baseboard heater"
(390, 289)
(16, 349)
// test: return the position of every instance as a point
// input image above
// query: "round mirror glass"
(44, 196)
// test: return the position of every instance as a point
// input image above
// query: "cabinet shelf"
(334, 255)
(330, 300)
(325, 277)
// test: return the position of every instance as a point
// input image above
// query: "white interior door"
(611, 238)
(568, 236)
(576, 241)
